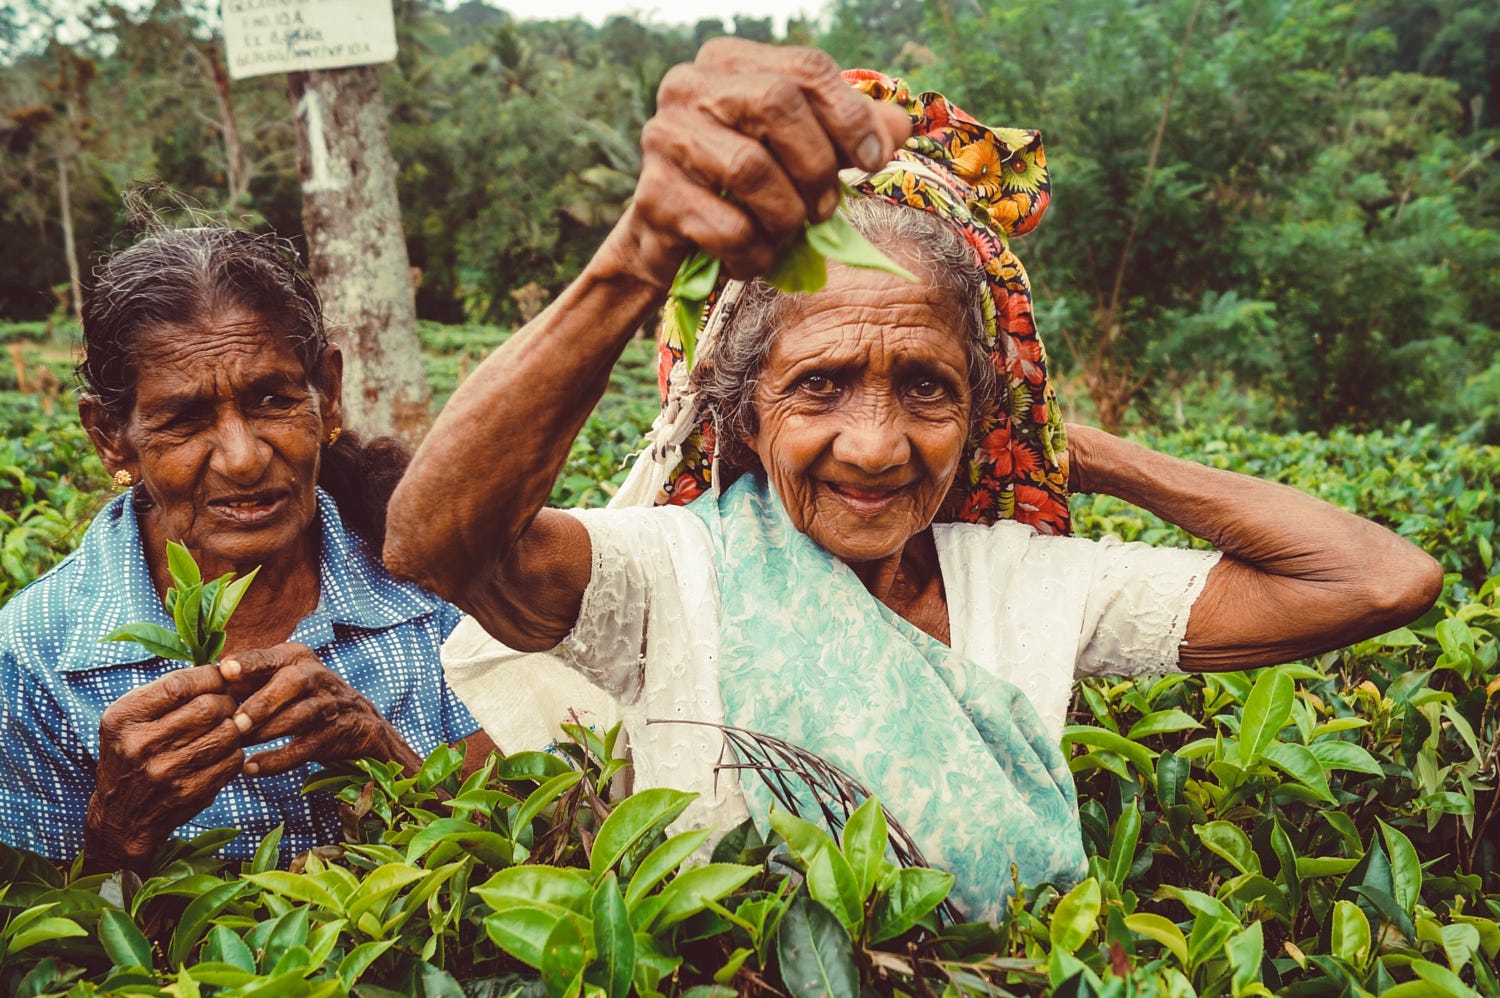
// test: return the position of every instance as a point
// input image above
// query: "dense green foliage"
(50, 480)
(1301, 193)
(1270, 188)
(1269, 216)
(1317, 829)
(1327, 827)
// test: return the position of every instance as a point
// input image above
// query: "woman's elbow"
(406, 558)
(415, 546)
(405, 562)
(1407, 588)
(1427, 583)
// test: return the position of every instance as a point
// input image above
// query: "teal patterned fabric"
(957, 755)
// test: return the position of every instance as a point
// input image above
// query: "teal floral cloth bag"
(956, 755)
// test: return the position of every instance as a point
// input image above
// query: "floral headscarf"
(991, 184)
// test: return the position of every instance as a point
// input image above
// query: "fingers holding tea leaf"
(247, 671)
(755, 135)
(721, 160)
(683, 202)
(174, 711)
(299, 696)
(322, 729)
(165, 696)
(278, 679)
(862, 132)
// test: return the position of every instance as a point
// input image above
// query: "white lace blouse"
(1035, 610)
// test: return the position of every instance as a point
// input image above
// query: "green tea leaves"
(689, 296)
(1074, 917)
(1267, 710)
(634, 824)
(182, 566)
(200, 612)
(154, 638)
(814, 951)
(838, 239)
(801, 268)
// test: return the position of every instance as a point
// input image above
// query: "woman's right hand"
(166, 749)
(745, 146)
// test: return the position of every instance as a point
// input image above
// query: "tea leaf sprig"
(200, 610)
(801, 267)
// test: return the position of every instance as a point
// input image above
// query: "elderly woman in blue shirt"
(212, 394)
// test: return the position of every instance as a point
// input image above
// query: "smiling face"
(225, 439)
(862, 411)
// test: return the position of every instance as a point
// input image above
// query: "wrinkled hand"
(166, 749)
(746, 146)
(287, 690)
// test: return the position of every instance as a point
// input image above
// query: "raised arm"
(1299, 577)
(744, 148)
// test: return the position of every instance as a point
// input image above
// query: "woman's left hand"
(287, 690)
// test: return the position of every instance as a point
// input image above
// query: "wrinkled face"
(225, 438)
(863, 411)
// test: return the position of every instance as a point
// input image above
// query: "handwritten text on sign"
(282, 36)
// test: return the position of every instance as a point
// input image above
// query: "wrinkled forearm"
(1266, 523)
(1300, 576)
(489, 463)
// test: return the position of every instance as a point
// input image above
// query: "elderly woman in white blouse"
(850, 530)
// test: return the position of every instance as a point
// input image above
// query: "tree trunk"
(70, 248)
(236, 168)
(356, 249)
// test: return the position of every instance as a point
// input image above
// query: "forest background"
(1274, 246)
(1297, 200)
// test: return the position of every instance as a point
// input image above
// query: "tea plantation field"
(1330, 827)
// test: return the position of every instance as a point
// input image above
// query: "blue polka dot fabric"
(56, 679)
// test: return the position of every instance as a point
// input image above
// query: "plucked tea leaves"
(801, 267)
(200, 611)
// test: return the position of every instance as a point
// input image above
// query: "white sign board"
(283, 36)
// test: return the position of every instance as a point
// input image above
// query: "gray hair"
(725, 378)
(175, 276)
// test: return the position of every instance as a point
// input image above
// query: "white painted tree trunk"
(356, 250)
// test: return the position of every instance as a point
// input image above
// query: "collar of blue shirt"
(356, 590)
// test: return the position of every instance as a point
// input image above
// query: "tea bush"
(1327, 827)
(1295, 850)
(51, 484)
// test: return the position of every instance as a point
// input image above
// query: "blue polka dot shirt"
(56, 679)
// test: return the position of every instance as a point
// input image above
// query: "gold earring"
(334, 434)
(124, 479)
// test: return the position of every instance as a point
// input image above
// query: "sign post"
(285, 36)
(350, 214)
